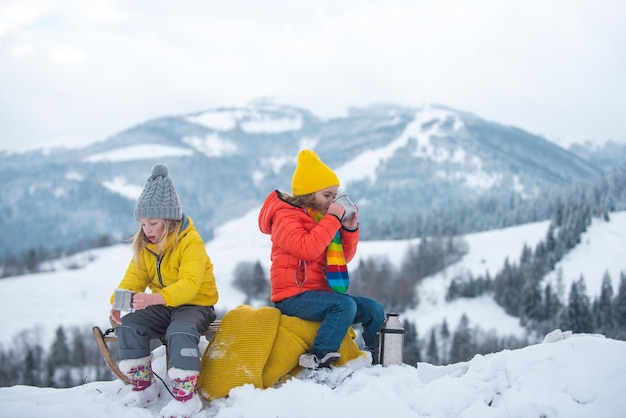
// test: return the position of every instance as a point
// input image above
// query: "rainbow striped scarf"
(336, 268)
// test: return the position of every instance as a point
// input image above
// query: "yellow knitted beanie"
(311, 174)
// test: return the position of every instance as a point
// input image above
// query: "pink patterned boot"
(185, 388)
(186, 402)
(143, 390)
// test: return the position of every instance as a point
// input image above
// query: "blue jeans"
(336, 312)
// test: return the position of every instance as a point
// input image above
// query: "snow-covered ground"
(569, 376)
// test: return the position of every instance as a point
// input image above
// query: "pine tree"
(50, 375)
(30, 370)
(411, 350)
(501, 285)
(29, 376)
(462, 348)
(508, 286)
(6, 368)
(445, 342)
(66, 378)
(603, 318)
(432, 352)
(79, 356)
(619, 309)
(532, 306)
(250, 279)
(551, 308)
(365, 278)
(260, 283)
(579, 309)
(59, 352)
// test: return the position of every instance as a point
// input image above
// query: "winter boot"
(374, 353)
(185, 388)
(144, 391)
(186, 402)
(311, 361)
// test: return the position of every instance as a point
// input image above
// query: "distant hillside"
(608, 155)
(413, 171)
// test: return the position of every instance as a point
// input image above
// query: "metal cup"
(348, 205)
(122, 300)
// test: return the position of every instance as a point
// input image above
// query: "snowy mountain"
(399, 163)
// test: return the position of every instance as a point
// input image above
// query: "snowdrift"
(565, 376)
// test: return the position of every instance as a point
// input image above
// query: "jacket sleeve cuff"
(351, 230)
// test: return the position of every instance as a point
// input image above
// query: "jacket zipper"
(295, 274)
(158, 265)
(159, 258)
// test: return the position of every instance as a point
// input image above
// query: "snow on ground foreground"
(567, 376)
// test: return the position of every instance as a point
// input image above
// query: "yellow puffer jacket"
(183, 274)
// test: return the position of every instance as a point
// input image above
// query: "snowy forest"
(517, 287)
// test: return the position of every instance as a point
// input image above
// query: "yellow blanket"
(259, 346)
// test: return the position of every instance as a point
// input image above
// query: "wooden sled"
(103, 339)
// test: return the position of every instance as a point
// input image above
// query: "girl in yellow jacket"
(170, 260)
(312, 242)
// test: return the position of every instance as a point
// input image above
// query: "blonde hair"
(305, 200)
(139, 240)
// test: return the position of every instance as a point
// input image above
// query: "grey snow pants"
(181, 327)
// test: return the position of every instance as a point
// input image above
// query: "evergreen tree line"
(502, 209)
(563, 234)
(493, 211)
(519, 288)
(442, 347)
(605, 315)
(32, 260)
(395, 288)
(71, 360)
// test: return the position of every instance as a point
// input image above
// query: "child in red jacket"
(312, 243)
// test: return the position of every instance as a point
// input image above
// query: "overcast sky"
(76, 71)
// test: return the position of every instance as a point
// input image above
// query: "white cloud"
(22, 50)
(67, 55)
(553, 69)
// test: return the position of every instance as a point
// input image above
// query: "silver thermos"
(391, 340)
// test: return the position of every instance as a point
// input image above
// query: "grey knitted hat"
(159, 198)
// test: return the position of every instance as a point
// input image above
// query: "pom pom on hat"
(159, 199)
(311, 174)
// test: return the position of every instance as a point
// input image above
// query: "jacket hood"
(272, 204)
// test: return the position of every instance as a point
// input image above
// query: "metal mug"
(345, 202)
(122, 300)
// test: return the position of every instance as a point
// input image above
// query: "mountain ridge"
(396, 161)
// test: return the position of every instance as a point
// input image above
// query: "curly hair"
(305, 200)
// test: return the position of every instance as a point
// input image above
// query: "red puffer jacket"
(299, 246)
